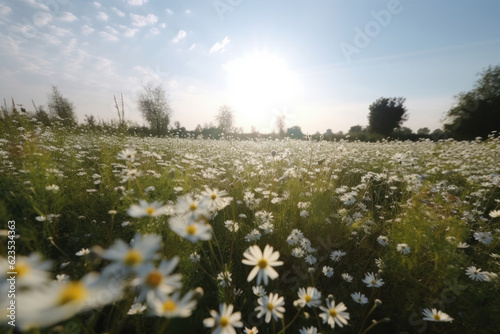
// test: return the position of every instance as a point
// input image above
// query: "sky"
(318, 63)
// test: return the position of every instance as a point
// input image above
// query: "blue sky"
(321, 63)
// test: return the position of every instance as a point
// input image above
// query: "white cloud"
(68, 17)
(35, 4)
(137, 2)
(97, 4)
(169, 11)
(111, 30)
(4, 10)
(163, 25)
(51, 39)
(141, 21)
(187, 12)
(41, 19)
(86, 30)
(192, 46)
(118, 12)
(58, 31)
(155, 31)
(180, 35)
(108, 36)
(102, 16)
(130, 32)
(220, 46)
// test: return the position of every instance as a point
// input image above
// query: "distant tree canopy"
(154, 107)
(225, 119)
(294, 132)
(60, 107)
(477, 112)
(387, 114)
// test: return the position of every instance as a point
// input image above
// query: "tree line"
(475, 114)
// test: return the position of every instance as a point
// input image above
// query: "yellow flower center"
(132, 258)
(150, 210)
(437, 317)
(213, 197)
(169, 306)
(154, 278)
(224, 321)
(73, 291)
(307, 298)
(333, 313)
(270, 306)
(262, 263)
(22, 268)
(193, 207)
(374, 282)
(191, 229)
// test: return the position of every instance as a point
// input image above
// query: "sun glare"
(258, 85)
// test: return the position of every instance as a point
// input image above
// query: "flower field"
(120, 234)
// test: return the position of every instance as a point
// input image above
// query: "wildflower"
(436, 315)
(145, 209)
(372, 281)
(259, 290)
(403, 248)
(310, 330)
(31, 271)
(142, 250)
(232, 226)
(360, 298)
(254, 235)
(224, 321)
(271, 305)
(476, 274)
(191, 230)
(337, 255)
(328, 271)
(263, 262)
(310, 297)
(56, 302)
(216, 199)
(304, 214)
(462, 245)
(52, 187)
(83, 251)
(298, 252)
(137, 308)
(127, 154)
(310, 259)
(224, 278)
(188, 206)
(383, 240)
(483, 237)
(294, 237)
(156, 283)
(194, 257)
(174, 306)
(347, 277)
(254, 330)
(334, 314)
(494, 213)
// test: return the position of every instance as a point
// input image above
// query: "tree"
(355, 129)
(386, 114)
(225, 119)
(423, 131)
(477, 112)
(61, 107)
(294, 132)
(280, 125)
(154, 107)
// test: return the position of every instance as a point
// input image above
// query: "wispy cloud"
(169, 11)
(130, 32)
(96, 4)
(180, 35)
(187, 12)
(68, 17)
(192, 46)
(4, 10)
(111, 30)
(86, 30)
(42, 19)
(220, 46)
(118, 12)
(137, 2)
(35, 4)
(154, 31)
(102, 16)
(108, 36)
(58, 31)
(141, 21)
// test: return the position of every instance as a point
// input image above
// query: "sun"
(259, 84)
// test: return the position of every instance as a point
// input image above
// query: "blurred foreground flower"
(436, 315)
(224, 321)
(263, 262)
(334, 314)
